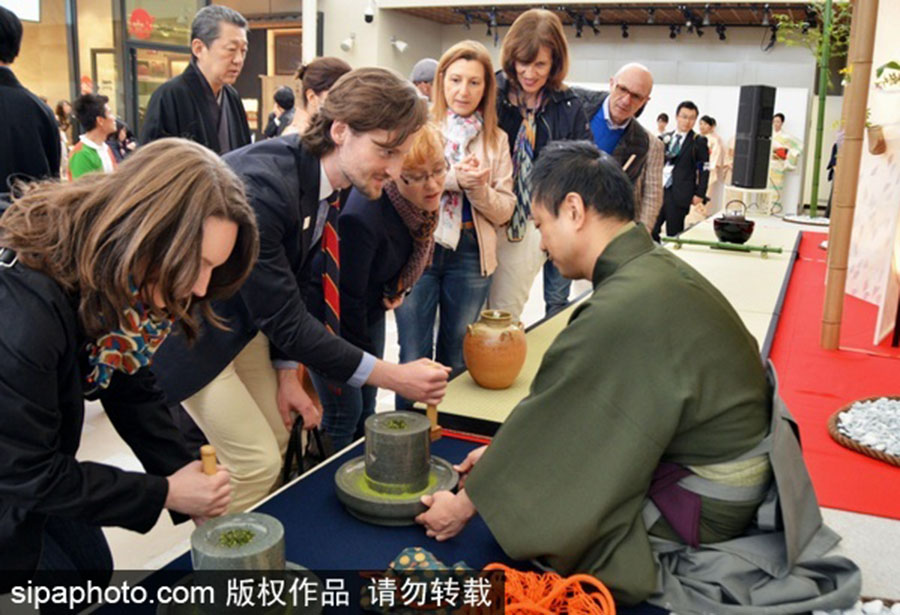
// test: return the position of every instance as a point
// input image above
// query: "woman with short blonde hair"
(477, 200)
(534, 107)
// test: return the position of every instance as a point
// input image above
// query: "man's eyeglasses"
(420, 179)
(635, 97)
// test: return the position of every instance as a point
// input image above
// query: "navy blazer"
(561, 118)
(375, 244)
(282, 183)
(43, 362)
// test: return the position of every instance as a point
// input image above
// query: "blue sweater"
(606, 139)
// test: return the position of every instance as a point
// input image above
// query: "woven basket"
(852, 444)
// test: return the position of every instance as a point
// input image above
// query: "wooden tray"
(852, 444)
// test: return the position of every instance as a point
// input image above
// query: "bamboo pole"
(853, 113)
(824, 61)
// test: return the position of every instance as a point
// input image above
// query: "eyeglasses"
(422, 179)
(637, 98)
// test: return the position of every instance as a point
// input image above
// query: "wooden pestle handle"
(208, 457)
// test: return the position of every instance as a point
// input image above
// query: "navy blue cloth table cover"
(321, 535)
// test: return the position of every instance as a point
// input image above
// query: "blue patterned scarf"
(523, 162)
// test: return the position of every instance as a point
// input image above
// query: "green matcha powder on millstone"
(235, 538)
(396, 424)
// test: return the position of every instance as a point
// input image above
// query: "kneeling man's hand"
(447, 514)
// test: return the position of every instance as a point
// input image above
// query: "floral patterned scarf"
(128, 348)
(459, 132)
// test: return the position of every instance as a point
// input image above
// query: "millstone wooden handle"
(208, 457)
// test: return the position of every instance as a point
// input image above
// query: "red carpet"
(816, 382)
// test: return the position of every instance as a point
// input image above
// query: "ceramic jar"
(494, 349)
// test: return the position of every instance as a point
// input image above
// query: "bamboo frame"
(853, 116)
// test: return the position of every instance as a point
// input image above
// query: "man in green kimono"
(651, 409)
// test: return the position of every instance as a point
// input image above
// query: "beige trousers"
(238, 413)
(518, 262)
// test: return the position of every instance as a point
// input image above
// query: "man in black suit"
(200, 104)
(28, 131)
(283, 114)
(241, 385)
(686, 172)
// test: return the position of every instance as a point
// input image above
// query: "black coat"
(690, 175)
(184, 106)
(562, 117)
(282, 182)
(375, 244)
(29, 135)
(635, 141)
(41, 415)
(276, 125)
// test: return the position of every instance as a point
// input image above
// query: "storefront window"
(42, 64)
(154, 67)
(161, 21)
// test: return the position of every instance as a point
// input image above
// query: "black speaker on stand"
(753, 138)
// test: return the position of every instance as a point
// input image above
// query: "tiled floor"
(872, 542)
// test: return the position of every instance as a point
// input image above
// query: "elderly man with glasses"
(616, 131)
(642, 157)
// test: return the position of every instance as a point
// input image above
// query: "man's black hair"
(579, 167)
(689, 105)
(284, 96)
(10, 35)
(664, 117)
(88, 107)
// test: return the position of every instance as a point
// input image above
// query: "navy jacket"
(375, 244)
(41, 415)
(282, 183)
(561, 118)
(29, 134)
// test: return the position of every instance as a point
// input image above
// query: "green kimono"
(655, 366)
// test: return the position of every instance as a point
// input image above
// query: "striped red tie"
(331, 278)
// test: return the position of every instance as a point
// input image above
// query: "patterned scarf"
(421, 225)
(459, 132)
(126, 349)
(523, 162)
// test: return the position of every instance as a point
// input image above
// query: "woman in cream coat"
(478, 198)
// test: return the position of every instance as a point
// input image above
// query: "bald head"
(629, 91)
(636, 71)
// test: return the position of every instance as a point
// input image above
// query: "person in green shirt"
(92, 154)
(646, 448)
